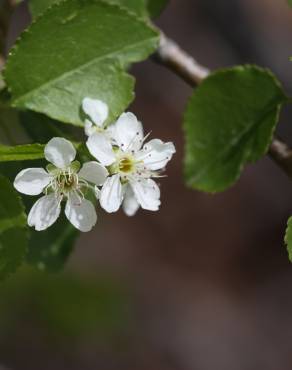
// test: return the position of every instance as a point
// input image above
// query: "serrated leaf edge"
(245, 161)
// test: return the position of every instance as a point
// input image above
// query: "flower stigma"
(66, 181)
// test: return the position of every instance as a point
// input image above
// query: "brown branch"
(170, 55)
(282, 155)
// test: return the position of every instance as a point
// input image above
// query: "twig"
(282, 155)
(170, 55)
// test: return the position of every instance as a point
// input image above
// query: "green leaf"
(10, 129)
(288, 238)
(21, 152)
(37, 7)
(289, 2)
(136, 6)
(229, 121)
(41, 128)
(13, 244)
(78, 49)
(155, 7)
(49, 249)
(13, 233)
(67, 307)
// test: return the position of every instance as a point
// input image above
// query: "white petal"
(93, 172)
(111, 195)
(130, 204)
(156, 154)
(44, 212)
(110, 133)
(32, 181)
(128, 132)
(81, 213)
(147, 194)
(97, 192)
(89, 128)
(100, 147)
(60, 152)
(97, 110)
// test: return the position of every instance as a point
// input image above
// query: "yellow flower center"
(67, 181)
(126, 165)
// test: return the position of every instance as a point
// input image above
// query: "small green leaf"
(21, 152)
(289, 2)
(13, 233)
(84, 53)
(229, 121)
(288, 238)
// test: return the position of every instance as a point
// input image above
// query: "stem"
(170, 55)
(282, 155)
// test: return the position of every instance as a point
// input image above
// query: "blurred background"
(203, 284)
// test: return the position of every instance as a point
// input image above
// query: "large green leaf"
(13, 233)
(155, 7)
(11, 131)
(38, 7)
(78, 48)
(41, 128)
(49, 250)
(65, 307)
(21, 152)
(229, 121)
(288, 238)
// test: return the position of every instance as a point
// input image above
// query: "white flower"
(61, 181)
(131, 166)
(100, 136)
(97, 111)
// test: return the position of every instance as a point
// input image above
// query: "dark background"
(203, 284)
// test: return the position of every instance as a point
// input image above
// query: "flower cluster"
(121, 175)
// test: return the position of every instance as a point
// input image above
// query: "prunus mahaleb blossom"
(62, 180)
(97, 113)
(132, 166)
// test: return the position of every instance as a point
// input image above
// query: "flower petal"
(32, 181)
(130, 204)
(97, 110)
(89, 128)
(97, 192)
(44, 212)
(60, 152)
(81, 213)
(156, 154)
(111, 195)
(93, 172)
(147, 194)
(100, 147)
(128, 132)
